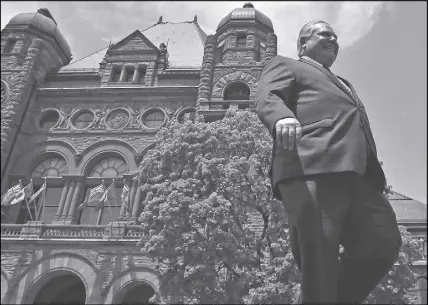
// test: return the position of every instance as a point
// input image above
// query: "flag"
(7, 198)
(95, 194)
(36, 194)
(125, 196)
(107, 197)
(24, 193)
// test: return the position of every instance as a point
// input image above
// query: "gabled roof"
(185, 44)
(407, 209)
(134, 40)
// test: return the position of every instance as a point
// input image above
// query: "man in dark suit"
(326, 172)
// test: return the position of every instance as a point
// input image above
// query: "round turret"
(246, 13)
(44, 22)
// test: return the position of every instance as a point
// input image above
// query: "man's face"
(322, 46)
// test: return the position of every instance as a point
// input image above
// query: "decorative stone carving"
(271, 48)
(117, 119)
(91, 255)
(4, 94)
(207, 70)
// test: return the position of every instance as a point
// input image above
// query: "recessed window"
(115, 74)
(83, 120)
(52, 167)
(237, 91)
(241, 41)
(129, 74)
(49, 119)
(110, 167)
(10, 45)
(142, 77)
(154, 119)
(190, 113)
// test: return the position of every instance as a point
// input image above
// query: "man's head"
(318, 41)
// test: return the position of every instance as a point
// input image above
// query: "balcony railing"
(72, 231)
(11, 230)
(40, 230)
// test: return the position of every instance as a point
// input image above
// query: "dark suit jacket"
(336, 134)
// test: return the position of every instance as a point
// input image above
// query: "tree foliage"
(209, 218)
(212, 226)
(394, 287)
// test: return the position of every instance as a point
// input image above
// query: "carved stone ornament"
(4, 93)
(117, 119)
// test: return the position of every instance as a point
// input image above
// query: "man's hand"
(288, 133)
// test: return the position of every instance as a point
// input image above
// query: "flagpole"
(108, 201)
(28, 207)
(26, 200)
(44, 200)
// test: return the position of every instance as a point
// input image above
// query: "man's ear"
(302, 41)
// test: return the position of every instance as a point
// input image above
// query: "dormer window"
(115, 74)
(241, 41)
(142, 74)
(129, 74)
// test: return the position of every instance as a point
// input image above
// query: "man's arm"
(273, 93)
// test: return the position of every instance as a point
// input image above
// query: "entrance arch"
(134, 292)
(66, 288)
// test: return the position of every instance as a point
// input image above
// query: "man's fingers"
(291, 137)
(279, 136)
(298, 134)
(285, 136)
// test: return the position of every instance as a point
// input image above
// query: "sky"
(383, 53)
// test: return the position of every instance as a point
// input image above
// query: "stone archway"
(4, 285)
(29, 284)
(65, 288)
(122, 287)
(134, 292)
(237, 76)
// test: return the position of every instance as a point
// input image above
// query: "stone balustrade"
(11, 230)
(39, 230)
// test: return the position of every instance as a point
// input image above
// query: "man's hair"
(306, 32)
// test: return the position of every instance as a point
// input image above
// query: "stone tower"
(31, 47)
(233, 61)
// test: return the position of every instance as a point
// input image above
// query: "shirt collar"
(311, 60)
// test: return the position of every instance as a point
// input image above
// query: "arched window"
(52, 167)
(49, 119)
(109, 167)
(421, 287)
(191, 113)
(237, 91)
(154, 119)
(83, 120)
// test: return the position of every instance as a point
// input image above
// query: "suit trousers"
(328, 210)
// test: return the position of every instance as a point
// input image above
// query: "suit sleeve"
(273, 97)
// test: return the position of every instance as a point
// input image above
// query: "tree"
(394, 287)
(209, 219)
(210, 222)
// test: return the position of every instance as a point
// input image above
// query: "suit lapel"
(333, 78)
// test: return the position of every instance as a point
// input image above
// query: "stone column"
(126, 178)
(271, 48)
(136, 205)
(123, 74)
(62, 200)
(136, 77)
(68, 200)
(75, 199)
(131, 198)
(207, 71)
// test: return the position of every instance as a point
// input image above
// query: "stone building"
(76, 125)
